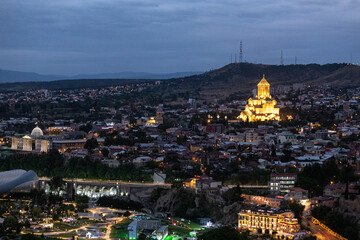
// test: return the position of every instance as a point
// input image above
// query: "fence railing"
(338, 236)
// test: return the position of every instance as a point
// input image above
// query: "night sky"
(95, 36)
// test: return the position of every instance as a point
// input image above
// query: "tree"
(11, 224)
(347, 174)
(273, 150)
(297, 208)
(56, 183)
(221, 233)
(91, 144)
(27, 223)
(105, 152)
(81, 202)
(127, 214)
(142, 237)
(86, 128)
(233, 194)
(36, 212)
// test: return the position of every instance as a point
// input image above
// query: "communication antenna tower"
(241, 53)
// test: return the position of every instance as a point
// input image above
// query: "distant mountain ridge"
(7, 76)
(235, 78)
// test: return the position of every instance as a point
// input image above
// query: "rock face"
(166, 202)
(229, 214)
(191, 206)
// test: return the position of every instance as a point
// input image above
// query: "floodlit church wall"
(15, 143)
(27, 144)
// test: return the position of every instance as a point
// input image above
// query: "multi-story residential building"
(282, 182)
(269, 221)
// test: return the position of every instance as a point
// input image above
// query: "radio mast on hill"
(241, 53)
(281, 58)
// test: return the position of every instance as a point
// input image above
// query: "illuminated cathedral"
(262, 107)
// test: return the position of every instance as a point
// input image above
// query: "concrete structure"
(99, 188)
(159, 177)
(63, 145)
(262, 107)
(281, 182)
(162, 232)
(159, 116)
(136, 226)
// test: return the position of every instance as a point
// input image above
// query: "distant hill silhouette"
(16, 76)
(220, 83)
(241, 77)
(7, 76)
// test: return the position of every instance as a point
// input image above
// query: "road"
(63, 232)
(319, 232)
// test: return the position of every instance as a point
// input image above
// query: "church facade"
(262, 107)
(35, 142)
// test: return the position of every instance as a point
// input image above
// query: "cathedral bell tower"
(263, 89)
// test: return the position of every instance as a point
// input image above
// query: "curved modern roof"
(37, 132)
(17, 179)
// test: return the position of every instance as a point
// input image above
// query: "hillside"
(233, 78)
(242, 77)
(68, 84)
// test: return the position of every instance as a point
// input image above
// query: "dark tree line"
(119, 203)
(53, 164)
(341, 224)
(315, 177)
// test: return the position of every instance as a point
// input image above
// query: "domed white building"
(37, 132)
(35, 142)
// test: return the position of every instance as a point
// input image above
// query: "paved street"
(318, 231)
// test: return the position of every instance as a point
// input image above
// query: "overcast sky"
(95, 36)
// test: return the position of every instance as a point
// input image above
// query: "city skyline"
(75, 37)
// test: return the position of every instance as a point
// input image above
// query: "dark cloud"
(92, 36)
